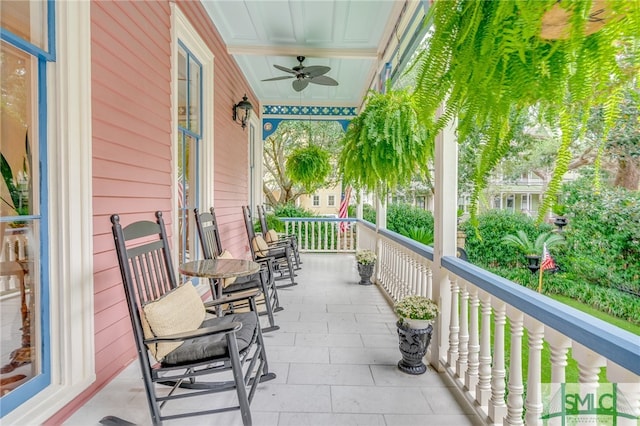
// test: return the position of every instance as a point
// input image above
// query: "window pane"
(187, 187)
(194, 96)
(182, 88)
(19, 234)
(26, 19)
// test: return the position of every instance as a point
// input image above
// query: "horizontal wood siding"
(131, 106)
(132, 164)
(231, 143)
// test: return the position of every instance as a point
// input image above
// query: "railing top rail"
(317, 219)
(615, 344)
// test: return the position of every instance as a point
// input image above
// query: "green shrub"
(484, 245)
(368, 212)
(603, 235)
(419, 234)
(405, 216)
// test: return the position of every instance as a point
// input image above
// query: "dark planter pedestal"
(365, 272)
(560, 222)
(413, 346)
(533, 262)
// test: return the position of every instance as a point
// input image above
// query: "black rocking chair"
(272, 237)
(264, 280)
(259, 249)
(171, 322)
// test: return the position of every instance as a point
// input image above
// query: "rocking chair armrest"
(200, 332)
(230, 298)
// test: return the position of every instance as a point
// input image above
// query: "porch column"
(381, 213)
(445, 228)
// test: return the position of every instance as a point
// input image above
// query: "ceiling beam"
(307, 51)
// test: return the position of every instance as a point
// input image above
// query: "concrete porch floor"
(335, 357)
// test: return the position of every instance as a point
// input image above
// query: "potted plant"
(414, 331)
(416, 311)
(309, 166)
(532, 249)
(491, 63)
(366, 260)
(386, 144)
(559, 210)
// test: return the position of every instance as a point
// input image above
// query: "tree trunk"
(628, 175)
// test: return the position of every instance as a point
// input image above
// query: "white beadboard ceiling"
(350, 36)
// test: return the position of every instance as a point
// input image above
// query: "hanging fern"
(386, 144)
(308, 166)
(490, 62)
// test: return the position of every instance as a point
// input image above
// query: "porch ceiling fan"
(305, 75)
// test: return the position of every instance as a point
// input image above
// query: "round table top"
(219, 268)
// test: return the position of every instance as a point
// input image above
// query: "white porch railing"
(14, 249)
(483, 304)
(322, 234)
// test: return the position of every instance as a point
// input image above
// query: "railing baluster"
(471, 376)
(483, 389)
(454, 329)
(515, 403)
(533, 403)
(497, 406)
(463, 335)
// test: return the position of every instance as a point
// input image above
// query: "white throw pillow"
(178, 311)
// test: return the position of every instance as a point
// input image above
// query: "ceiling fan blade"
(299, 85)
(323, 80)
(316, 70)
(285, 69)
(284, 77)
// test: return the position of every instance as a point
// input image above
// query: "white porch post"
(445, 227)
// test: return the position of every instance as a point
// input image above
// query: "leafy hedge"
(603, 235)
(484, 245)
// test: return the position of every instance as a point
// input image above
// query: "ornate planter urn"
(560, 222)
(365, 272)
(413, 343)
(533, 262)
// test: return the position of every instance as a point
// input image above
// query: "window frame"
(66, 220)
(184, 33)
(313, 200)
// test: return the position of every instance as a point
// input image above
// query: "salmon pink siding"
(132, 164)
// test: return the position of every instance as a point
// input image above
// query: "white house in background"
(323, 202)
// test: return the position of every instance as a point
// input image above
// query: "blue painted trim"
(270, 125)
(612, 342)
(44, 234)
(51, 28)
(37, 384)
(326, 111)
(21, 44)
(19, 218)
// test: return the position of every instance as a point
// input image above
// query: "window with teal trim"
(26, 45)
(189, 140)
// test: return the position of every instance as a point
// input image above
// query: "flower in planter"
(365, 257)
(416, 307)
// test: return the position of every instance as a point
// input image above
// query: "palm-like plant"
(528, 247)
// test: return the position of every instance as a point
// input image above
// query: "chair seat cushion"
(210, 348)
